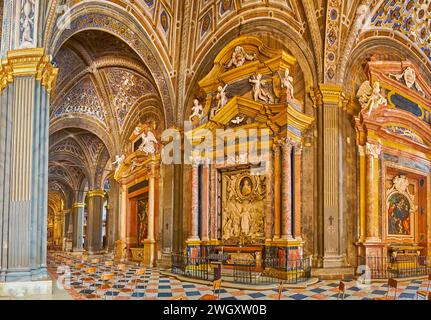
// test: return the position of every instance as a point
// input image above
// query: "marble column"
(93, 239)
(286, 214)
(372, 190)
(151, 241)
(277, 192)
(28, 76)
(362, 193)
(269, 197)
(205, 202)
(78, 216)
(297, 193)
(194, 232)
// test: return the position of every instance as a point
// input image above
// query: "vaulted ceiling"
(103, 91)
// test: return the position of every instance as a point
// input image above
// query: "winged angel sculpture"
(370, 98)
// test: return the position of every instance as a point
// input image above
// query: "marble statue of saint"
(370, 98)
(259, 92)
(197, 110)
(287, 82)
(221, 97)
(118, 162)
(149, 142)
(239, 57)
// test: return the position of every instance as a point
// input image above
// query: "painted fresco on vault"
(399, 215)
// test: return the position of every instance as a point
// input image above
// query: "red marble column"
(205, 203)
(194, 232)
(298, 158)
(286, 215)
(277, 191)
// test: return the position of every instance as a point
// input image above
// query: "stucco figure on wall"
(371, 98)
(149, 142)
(221, 97)
(408, 76)
(259, 92)
(118, 162)
(287, 82)
(197, 110)
(27, 22)
(239, 57)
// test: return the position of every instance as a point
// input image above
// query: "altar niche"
(394, 145)
(246, 181)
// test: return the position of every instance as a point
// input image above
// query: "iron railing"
(266, 271)
(391, 267)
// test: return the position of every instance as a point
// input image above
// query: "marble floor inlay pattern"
(153, 285)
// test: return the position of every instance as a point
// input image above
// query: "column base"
(149, 253)
(22, 289)
(334, 261)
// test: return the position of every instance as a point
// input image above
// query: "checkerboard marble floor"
(154, 285)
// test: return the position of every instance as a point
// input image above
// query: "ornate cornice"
(28, 62)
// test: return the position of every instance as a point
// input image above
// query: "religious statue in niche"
(242, 213)
(149, 141)
(197, 111)
(371, 98)
(259, 92)
(400, 208)
(142, 215)
(410, 80)
(239, 57)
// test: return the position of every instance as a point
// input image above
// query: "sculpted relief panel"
(243, 208)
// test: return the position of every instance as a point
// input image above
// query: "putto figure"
(369, 97)
(221, 97)
(287, 82)
(149, 142)
(197, 110)
(239, 57)
(118, 162)
(259, 92)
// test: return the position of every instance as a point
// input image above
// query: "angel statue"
(287, 82)
(149, 142)
(118, 162)
(197, 110)
(239, 57)
(221, 97)
(259, 92)
(370, 97)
